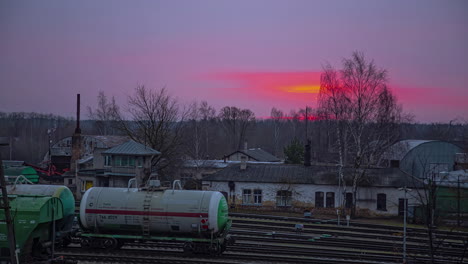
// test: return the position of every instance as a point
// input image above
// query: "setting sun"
(302, 89)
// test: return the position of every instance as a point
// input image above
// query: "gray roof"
(453, 179)
(12, 163)
(399, 150)
(258, 154)
(215, 164)
(103, 142)
(299, 174)
(131, 148)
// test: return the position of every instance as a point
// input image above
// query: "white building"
(296, 187)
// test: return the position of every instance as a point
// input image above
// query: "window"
(319, 199)
(258, 197)
(330, 200)
(283, 198)
(131, 161)
(70, 181)
(382, 202)
(349, 200)
(124, 161)
(139, 161)
(117, 161)
(107, 161)
(394, 163)
(246, 196)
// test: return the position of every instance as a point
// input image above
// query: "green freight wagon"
(33, 218)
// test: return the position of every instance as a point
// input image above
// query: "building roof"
(131, 148)
(316, 174)
(257, 154)
(215, 164)
(8, 163)
(399, 150)
(103, 142)
(453, 179)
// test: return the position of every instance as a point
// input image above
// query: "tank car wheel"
(86, 242)
(223, 248)
(188, 248)
(110, 243)
(120, 243)
(214, 249)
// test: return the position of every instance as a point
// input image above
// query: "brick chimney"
(76, 138)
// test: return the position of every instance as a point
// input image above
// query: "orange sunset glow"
(276, 87)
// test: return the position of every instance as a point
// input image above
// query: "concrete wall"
(304, 195)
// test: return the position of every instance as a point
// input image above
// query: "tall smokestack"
(76, 139)
(78, 129)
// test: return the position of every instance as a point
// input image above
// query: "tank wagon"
(42, 217)
(110, 217)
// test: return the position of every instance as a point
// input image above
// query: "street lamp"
(404, 221)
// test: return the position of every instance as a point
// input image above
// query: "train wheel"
(110, 243)
(120, 243)
(86, 242)
(215, 249)
(223, 248)
(188, 248)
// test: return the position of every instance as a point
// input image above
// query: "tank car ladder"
(146, 208)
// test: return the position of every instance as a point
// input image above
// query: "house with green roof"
(116, 166)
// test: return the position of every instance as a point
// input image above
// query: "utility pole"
(405, 205)
(458, 201)
(6, 207)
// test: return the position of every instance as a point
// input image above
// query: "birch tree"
(365, 112)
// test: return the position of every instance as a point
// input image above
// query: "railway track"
(269, 239)
(343, 241)
(354, 225)
(239, 254)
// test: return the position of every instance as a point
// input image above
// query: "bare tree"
(365, 112)
(200, 115)
(277, 118)
(105, 115)
(207, 115)
(156, 120)
(235, 122)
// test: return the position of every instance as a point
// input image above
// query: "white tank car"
(151, 212)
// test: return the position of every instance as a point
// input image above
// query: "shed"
(420, 158)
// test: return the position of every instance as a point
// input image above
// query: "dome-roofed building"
(420, 158)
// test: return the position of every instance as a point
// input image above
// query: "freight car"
(41, 216)
(111, 217)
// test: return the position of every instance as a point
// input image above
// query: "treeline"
(204, 138)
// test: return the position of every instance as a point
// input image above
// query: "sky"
(254, 54)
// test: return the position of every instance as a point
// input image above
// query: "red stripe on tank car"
(123, 212)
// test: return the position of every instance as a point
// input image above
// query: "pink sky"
(250, 54)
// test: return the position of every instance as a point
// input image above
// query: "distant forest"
(29, 133)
